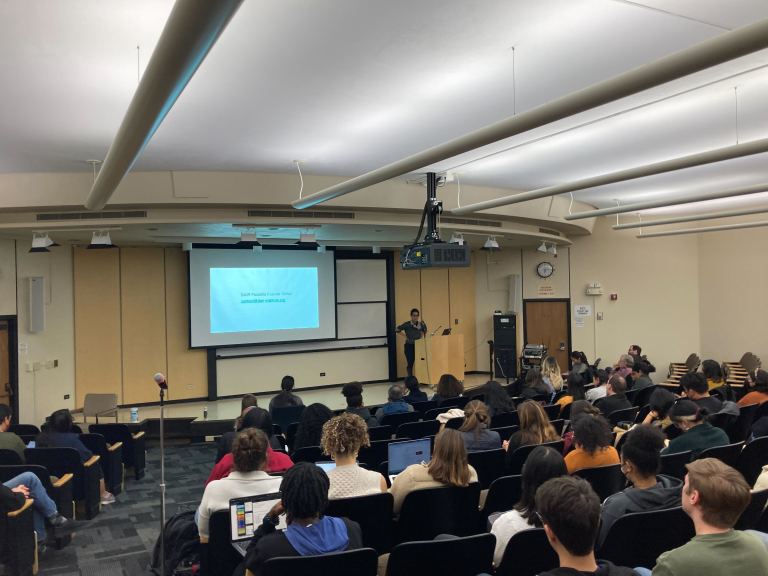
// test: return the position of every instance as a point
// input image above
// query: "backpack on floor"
(182, 545)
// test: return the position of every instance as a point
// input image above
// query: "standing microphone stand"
(162, 479)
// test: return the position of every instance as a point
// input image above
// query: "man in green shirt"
(714, 496)
(9, 440)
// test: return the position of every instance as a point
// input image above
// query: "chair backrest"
(519, 456)
(565, 413)
(113, 433)
(527, 554)
(286, 415)
(380, 433)
(96, 443)
(373, 513)
(739, 431)
(455, 402)
(290, 433)
(638, 539)
(58, 461)
(374, 454)
(729, 454)
(465, 556)
(558, 424)
(505, 432)
(395, 420)
(99, 405)
(624, 415)
(435, 412)
(424, 406)
(489, 465)
(222, 558)
(445, 510)
(9, 457)
(751, 515)
(26, 429)
(692, 362)
(552, 411)
(605, 480)
(503, 494)
(7, 472)
(309, 454)
(418, 429)
(360, 562)
(674, 464)
(643, 396)
(505, 419)
(752, 459)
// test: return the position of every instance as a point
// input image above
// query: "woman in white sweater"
(248, 478)
(342, 438)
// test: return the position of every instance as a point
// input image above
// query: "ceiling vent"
(301, 214)
(549, 231)
(111, 215)
(470, 221)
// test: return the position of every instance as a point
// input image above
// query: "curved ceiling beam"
(191, 30)
(704, 55)
(699, 159)
(693, 218)
(675, 201)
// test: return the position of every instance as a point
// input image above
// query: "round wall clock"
(545, 269)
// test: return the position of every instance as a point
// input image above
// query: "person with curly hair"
(592, 437)
(343, 436)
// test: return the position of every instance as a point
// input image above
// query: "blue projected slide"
(255, 299)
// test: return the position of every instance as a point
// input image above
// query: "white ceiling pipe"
(191, 30)
(694, 218)
(699, 159)
(722, 228)
(722, 48)
(663, 203)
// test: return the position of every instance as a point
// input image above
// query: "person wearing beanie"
(698, 434)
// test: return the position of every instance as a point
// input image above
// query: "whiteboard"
(361, 281)
(362, 320)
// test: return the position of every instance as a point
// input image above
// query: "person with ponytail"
(698, 434)
(475, 430)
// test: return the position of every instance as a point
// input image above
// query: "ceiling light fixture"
(552, 249)
(308, 240)
(376, 249)
(100, 240)
(457, 238)
(248, 240)
(491, 244)
(543, 247)
(41, 242)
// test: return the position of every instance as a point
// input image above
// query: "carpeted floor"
(120, 540)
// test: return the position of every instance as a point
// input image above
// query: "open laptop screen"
(403, 454)
(246, 514)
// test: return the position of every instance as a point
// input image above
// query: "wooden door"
(5, 365)
(548, 322)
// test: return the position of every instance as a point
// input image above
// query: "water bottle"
(205, 412)
(134, 415)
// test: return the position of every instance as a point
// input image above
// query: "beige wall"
(7, 277)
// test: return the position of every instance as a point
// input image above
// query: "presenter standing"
(412, 330)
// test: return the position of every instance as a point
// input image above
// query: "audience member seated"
(616, 397)
(475, 432)
(309, 532)
(58, 434)
(541, 465)
(592, 440)
(713, 373)
(496, 398)
(248, 477)
(575, 391)
(395, 403)
(448, 467)
(9, 440)
(448, 387)
(28, 485)
(758, 395)
(635, 351)
(415, 394)
(353, 392)
(698, 434)
(551, 374)
(535, 428)
(714, 496)
(660, 403)
(570, 512)
(640, 462)
(624, 366)
(579, 363)
(310, 428)
(285, 398)
(255, 419)
(695, 388)
(534, 385)
(600, 380)
(343, 436)
(641, 371)
(579, 409)
(248, 401)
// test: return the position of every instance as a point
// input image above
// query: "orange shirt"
(753, 397)
(578, 458)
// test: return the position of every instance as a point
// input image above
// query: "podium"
(438, 355)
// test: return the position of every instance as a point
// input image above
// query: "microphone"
(436, 329)
(161, 381)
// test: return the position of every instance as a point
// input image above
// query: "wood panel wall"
(131, 320)
(445, 297)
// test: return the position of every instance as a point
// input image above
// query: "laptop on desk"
(246, 515)
(403, 454)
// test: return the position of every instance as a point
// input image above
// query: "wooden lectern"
(438, 355)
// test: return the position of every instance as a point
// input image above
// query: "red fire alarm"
(614, 296)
